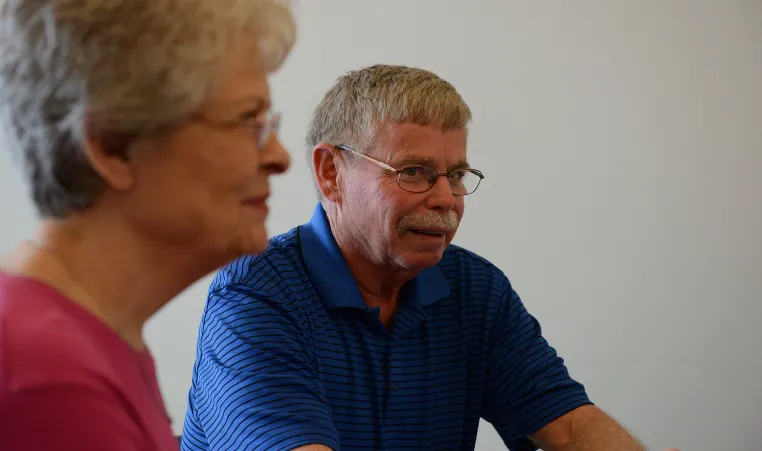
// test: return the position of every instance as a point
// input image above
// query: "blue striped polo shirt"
(289, 355)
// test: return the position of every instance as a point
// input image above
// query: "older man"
(364, 329)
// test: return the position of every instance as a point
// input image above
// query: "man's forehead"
(409, 144)
(407, 134)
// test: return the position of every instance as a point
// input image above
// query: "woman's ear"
(113, 166)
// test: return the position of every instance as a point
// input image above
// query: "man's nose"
(440, 196)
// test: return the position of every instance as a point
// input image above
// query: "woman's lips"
(257, 202)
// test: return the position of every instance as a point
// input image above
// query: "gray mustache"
(448, 221)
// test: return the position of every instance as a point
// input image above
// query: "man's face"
(409, 230)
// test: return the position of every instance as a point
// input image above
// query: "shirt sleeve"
(528, 385)
(66, 418)
(255, 386)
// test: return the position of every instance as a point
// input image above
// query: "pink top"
(68, 382)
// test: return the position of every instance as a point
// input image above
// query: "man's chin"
(419, 261)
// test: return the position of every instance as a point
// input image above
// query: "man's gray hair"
(360, 101)
(363, 100)
(124, 68)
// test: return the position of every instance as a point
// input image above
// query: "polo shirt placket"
(403, 392)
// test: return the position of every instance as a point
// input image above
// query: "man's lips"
(429, 231)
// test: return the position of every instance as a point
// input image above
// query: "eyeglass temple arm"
(372, 160)
(479, 173)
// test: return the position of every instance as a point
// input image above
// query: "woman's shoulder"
(45, 340)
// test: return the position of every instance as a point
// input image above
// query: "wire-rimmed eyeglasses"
(420, 178)
(262, 129)
(269, 129)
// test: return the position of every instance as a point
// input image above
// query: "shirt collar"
(335, 284)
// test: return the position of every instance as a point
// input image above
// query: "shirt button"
(394, 386)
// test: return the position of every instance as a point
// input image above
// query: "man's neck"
(379, 280)
(108, 269)
(379, 285)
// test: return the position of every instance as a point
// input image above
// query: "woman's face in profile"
(205, 184)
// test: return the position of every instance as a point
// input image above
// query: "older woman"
(143, 129)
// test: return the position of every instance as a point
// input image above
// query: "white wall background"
(622, 143)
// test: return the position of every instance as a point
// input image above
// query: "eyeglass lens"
(418, 179)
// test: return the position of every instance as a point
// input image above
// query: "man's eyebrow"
(426, 161)
(460, 164)
(418, 161)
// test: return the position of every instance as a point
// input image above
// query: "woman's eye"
(412, 171)
(251, 117)
(253, 121)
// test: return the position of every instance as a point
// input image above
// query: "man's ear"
(325, 161)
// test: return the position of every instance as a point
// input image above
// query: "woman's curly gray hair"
(123, 67)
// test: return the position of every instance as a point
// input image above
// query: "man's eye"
(412, 171)
(457, 175)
